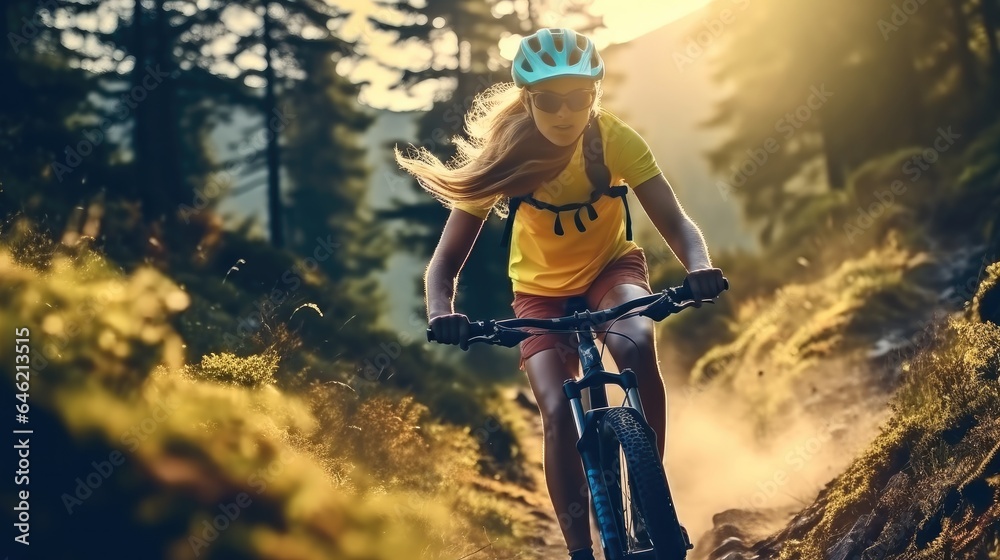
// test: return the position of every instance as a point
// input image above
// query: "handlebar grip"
(684, 292)
(476, 328)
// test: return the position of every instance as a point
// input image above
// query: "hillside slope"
(928, 484)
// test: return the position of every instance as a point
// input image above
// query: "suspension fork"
(593, 368)
(588, 421)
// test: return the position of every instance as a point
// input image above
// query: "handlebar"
(505, 332)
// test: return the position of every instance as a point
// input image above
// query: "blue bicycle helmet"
(555, 52)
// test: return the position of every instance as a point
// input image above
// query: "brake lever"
(509, 338)
(505, 338)
(671, 306)
(663, 307)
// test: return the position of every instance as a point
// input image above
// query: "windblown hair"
(504, 153)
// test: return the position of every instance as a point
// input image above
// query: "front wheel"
(640, 495)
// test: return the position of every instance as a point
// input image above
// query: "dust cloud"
(717, 459)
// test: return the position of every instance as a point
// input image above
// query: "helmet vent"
(554, 52)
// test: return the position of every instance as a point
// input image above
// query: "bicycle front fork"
(594, 383)
(587, 426)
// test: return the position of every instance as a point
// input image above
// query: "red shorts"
(629, 269)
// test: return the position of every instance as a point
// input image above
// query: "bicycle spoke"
(643, 507)
(627, 508)
(631, 513)
(626, 501)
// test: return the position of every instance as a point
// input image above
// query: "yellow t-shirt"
(543, 263)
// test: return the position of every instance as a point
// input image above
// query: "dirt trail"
(735, 485)
(728, 481)
(546, 540)
(731, 484)
(737, 474)
(543, 538)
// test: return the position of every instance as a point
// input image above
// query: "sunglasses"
(576, 100)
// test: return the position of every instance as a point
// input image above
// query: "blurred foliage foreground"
(138, 454)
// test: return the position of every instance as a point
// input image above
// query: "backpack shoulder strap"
(508, 228)
(593, 156)
(598, 172)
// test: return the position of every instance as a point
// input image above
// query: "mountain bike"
(629, 494)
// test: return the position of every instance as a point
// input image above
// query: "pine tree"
(484, 289)
(327, 209)
(817, 91)
(43, 174)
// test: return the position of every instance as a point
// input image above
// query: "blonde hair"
(504, 154)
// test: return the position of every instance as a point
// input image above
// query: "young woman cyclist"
(525, 143)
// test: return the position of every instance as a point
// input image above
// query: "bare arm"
(460, 234)
(678, 230)
(682, 236)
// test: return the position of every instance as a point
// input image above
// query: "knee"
(630, 353)
(557, 416)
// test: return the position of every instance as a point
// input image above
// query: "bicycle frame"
(594, 380)
(596, 377)
(590, 419)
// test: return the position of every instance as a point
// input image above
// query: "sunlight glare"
(250, 61)
(628, 19)
(240, 20)
(625, 20)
